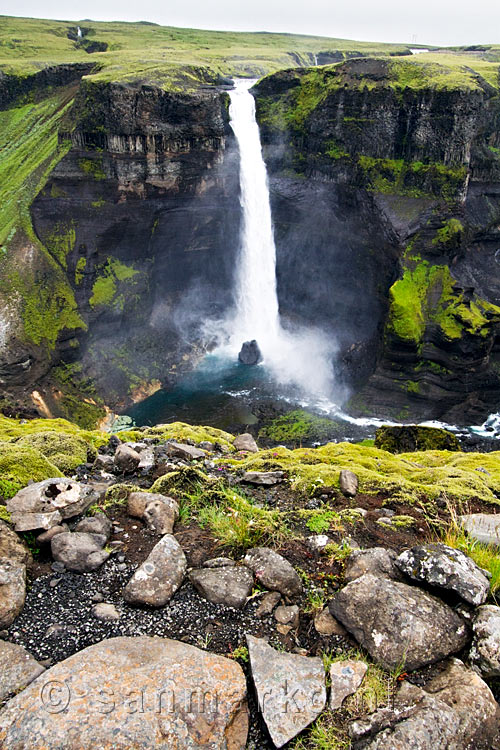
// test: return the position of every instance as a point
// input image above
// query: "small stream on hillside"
(297, 368)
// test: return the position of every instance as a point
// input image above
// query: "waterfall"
(301, 357)
(256, 296)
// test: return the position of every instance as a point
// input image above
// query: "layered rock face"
(139, 223)
(385, 181)
(149, 200)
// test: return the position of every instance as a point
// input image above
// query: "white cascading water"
(256, 297)
(302, 357)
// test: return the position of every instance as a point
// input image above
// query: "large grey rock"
(378, 561)
(483, 527)
(399, 625)
(12, 591)
(98, 524)
(126, 459)
(250, 353)
(181, 450)
(456, 711)
(12, 547)
(161, 513)
(290, 689)
(227, 585)
(159, 576)
(17, 667)
(79, 551)
(345, 678)
(125, 693)
(485, 650)
(46, 504)
(245, 442)
(348, 483)
(273, 571)
(266, 478)
(104, 463)
(158, 511)
(447, 568)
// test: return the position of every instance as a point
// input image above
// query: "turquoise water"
(219, 393)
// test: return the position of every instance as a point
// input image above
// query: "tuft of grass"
(238, 523)
(330, 730)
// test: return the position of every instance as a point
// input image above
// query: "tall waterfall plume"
(301, 357)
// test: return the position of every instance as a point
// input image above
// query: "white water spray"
(302, 357)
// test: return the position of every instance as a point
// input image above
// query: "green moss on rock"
(415, 438)
(185, 481)
(428, 294)
(20, 465)
(297, 427)
(105, 288)
(64, 451)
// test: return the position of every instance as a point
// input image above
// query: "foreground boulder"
(139, 693)
(46, 504)
(17, 667)
(159, 577)
(348, 483)
(181, 450)
(98, 524)
(456, 711)
(345, 678)
(290, 689)
(485, 650)
(224, 585)
(446, 568)
(273, 571)
(399, 625)
(13, 547)
(126, 459)
(79, 551)
(12, 591)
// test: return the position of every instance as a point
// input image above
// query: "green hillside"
(141, 50)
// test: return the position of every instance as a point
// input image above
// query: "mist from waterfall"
(302, 357)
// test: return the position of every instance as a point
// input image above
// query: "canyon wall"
(140, 218)
(385, 182)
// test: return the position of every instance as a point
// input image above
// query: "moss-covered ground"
(418, 477)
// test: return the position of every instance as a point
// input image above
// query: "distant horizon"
(358, 20)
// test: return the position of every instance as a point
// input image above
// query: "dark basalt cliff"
(385, 182)
(141, 217)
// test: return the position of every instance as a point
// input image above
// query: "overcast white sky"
(445, 22)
